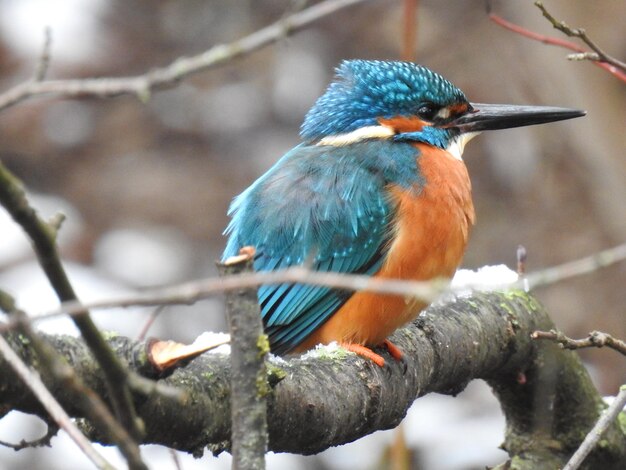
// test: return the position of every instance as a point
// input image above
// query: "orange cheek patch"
(458, 108)
(403, 124)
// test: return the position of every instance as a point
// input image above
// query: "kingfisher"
(376, 187)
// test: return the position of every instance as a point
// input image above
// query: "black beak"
(487, 117)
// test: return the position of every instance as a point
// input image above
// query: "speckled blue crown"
(365, 90)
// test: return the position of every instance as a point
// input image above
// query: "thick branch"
(337, 397)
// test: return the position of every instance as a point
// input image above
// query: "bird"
(376, 187)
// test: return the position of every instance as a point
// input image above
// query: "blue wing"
(321, 206)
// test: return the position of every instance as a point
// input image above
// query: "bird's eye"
(427, 111)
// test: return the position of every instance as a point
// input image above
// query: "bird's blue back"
(321, 206)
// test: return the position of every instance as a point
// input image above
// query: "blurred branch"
(604, 61)
(428, 291)
(191, 292)
(44, 59)
(58, 370)
(51, 405)
(43, 238)
(594, 435)
(409, 45)
(183, 67)
(595, 339)
(330, 396)
(586, 265)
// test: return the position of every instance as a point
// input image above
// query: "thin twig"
(143, 85)
(44, 59)
(585, 265)
(582, 35)
(56, 411)
(596, 339)
(43, 238)
(85, 399)
(191, 292)
(593, 437)
(44, 441)
(409, 45)
(609, 67)
(175, 459)
(149, 322)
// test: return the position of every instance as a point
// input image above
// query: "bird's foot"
(365, 352)
(396, 353)
(394, 350)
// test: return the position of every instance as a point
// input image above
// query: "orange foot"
(394, 350)
(365, 352)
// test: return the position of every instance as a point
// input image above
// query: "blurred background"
(146, 186)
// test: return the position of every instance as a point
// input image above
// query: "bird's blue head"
(408, 100)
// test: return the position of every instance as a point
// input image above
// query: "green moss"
(274, 373)
(262, 385)
(263, 345)
(332, 354)
(23, 339)
(110, 335)
(523, 296)
(621, 420)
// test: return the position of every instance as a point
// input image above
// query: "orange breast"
(432, 226)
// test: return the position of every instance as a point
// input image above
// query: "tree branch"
(580, 33)
(143, 85)
(595, 339)
(43, 238)
(606, 62)
(593, 437)
(52, 406)
(249, 387)
(331, 397)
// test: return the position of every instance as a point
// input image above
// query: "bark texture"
(249, 388)
(336, 397)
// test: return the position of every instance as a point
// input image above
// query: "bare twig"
(43, 237)
(581, 34)
(149, 322)
(191, 292)
(522, 256)
(593, 437)
(44, 59)
(84, 398)
(44, 441)
(183, 67)
(409, 45)
(56, 411)
(609, 67)
(578, 267)
(596, 339)
(249, 346)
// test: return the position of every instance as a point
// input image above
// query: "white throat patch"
(368, 132)
(456, 145)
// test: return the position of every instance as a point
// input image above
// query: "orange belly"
(431, 228)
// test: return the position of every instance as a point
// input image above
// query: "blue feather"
(322, 204)
(367, 90)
